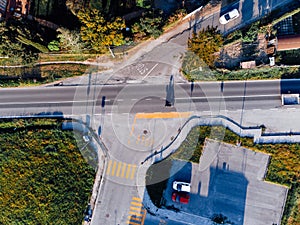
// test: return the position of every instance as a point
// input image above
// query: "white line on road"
(233, 96)
(26, 103)
(150, 71)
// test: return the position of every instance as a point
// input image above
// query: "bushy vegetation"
(149, 25)
(20, 41)
(194, 69)
(284, 167)
(205, 44)
(44, 179)
(23, 76)
(290, 57)
(174, 18)
(98, 33)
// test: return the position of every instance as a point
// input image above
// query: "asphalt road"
(205, 96)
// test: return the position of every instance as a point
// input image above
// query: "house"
(288, 42)
(13, 9)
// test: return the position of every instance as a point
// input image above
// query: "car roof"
(182, 186)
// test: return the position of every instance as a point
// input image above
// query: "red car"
(181, 197)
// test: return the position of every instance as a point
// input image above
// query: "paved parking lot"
(229, 181)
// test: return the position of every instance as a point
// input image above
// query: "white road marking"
(26, 103)
(150, 71)
(233, 96)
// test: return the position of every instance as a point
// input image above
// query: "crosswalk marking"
(113, 168)
(108, 167)
(133, 223)
(136, 204)
(137, 139)
(136, 199)
(136, 218)
(119, 168)
(142, 140)
(135, 208)
(128, 171)
(133, 168)
(123, 170)
(136, 212)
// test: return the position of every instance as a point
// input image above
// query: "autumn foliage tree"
(98, 33)
(205, 44)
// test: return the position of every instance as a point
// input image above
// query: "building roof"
(288, 42)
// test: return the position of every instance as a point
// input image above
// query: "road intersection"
(132, 118)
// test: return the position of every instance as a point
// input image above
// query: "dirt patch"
(231, 55)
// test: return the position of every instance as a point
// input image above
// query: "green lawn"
(44, 178)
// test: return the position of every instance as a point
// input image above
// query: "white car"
(227, 17)
(181, 186)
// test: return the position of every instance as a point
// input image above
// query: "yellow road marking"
(113, 168)
(143, 138)
(133, 168)
(128, 171)
(136, 203)
(138, 139)
(135, 208)
(119, 168)
(136, 199)
(132, 127)
(134, 218)
(135, 213)
(123, 170)
(162, 115)
(108, 167)
(144, 216)
(133, 223)
(148, 142)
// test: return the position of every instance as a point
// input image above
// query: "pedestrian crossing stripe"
(136, 199)
(121, 169)
(142, 140)
(136, 213)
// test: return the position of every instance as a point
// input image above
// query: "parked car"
(182, 197)
(181, 186)
(227, 17)
(88, 213)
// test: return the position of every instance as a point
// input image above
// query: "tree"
(150, 25)
(69, 40)
(21, 40)
(205, 44)
(98, 33)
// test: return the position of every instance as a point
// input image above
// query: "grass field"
(44, 178)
